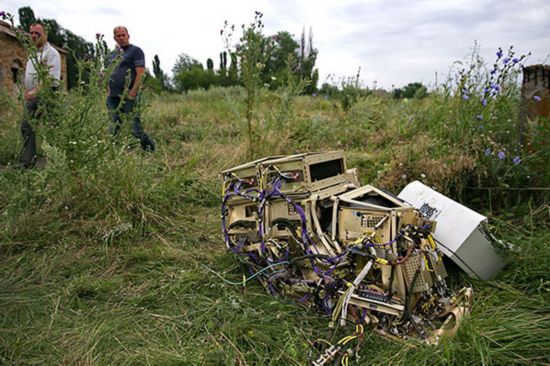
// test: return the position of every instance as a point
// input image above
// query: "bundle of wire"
(395, 287)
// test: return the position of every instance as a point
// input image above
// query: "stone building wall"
(535, 100)
(13, 59)
(535, 90)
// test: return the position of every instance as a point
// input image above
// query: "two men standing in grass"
(124, 87)
(42, 76)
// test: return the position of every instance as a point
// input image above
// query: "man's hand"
(30, 94)
(132, 94)
(137, 83)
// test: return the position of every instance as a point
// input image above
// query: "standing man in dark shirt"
(124, 86)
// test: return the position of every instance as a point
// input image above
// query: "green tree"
(306, 63)
(413, 90)
(194, 78)
(160, 76)
(252, 58)
(78, 49)
(189, 74)
(286, 58)
(223, 60)
(26, 17)
(184, 62)
(210, 64)
(233, 73)
(278, 60)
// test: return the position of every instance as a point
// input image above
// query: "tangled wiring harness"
(358, 254)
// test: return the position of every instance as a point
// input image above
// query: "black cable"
(284, 223)
(407, 313)
(391, 282)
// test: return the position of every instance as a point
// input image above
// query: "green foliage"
(283, 61)
(279, 60)
(252, 56)
(210, 64)
(411, 90)
(306, 63)
(349, 91)
(161, 78)
(287, 61)
(189, 74)
(185, 62)
(194, 78)
(223, 60)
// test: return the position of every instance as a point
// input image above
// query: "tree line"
(286, 61)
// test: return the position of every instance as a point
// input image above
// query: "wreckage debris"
(462, 234)
(304, 224)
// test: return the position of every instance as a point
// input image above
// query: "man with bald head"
(46, 57)
(124, 86)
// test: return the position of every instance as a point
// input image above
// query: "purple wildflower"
(484, 102)
(499, 53)
(488, 151)
(516, 160)
(479, 117)
(515, 60)
(314, 94)
(98, 36)
(536, 98)
(493, 71)
(505, 60)
(465, 97)
(501, 155)
(2, 14)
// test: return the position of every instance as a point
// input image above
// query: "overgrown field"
(107, 253)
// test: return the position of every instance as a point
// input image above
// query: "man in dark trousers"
(124, 86)
(42, 73)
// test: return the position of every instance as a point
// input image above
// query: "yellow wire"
(338, 306)
(431, 241)
(344, 361)
(426, 265)
(358, 331)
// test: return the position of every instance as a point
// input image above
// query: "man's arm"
(54, 65)
(137, 83)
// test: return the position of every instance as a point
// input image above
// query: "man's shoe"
(148, 146)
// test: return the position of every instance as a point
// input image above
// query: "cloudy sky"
(393, 42)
